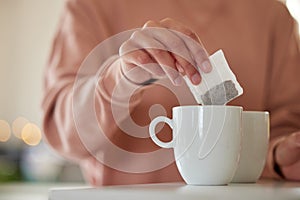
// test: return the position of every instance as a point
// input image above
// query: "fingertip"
(178, 81)
(206, 66)
(196, 79)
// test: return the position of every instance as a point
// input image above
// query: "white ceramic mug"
(206, 142)
(255, 140)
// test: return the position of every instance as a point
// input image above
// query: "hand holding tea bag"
(217, 87)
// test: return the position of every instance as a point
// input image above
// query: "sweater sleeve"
(69, 88)
(283, 92)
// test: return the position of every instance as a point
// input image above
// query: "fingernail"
(178, 81)
(178, 66)
(196, 79)
(206, 66)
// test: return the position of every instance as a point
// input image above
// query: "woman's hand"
(164, 48)
(287, 156)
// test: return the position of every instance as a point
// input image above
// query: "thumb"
(288, 151)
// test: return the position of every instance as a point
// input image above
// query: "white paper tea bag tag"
(217, 87)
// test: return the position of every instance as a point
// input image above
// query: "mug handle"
(152, 126)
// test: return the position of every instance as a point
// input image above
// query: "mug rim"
(255, 112)
(207, 106)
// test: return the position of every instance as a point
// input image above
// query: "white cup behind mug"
(206, 142)
(255, 139)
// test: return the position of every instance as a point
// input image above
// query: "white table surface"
(265, 190)
(30, 191)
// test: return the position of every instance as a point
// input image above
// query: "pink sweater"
(259, 40)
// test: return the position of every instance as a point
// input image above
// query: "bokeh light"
(18, 125)
(31, 134)
(5, 131)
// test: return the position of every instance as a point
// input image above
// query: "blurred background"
(27, 30)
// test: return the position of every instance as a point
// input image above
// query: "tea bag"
(217, 87)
